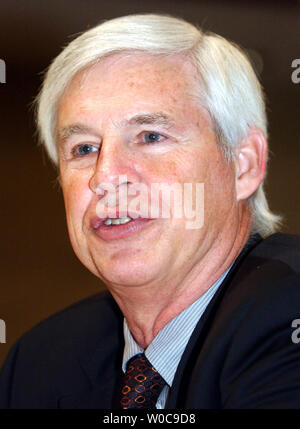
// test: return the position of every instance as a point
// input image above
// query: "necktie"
(142, 384)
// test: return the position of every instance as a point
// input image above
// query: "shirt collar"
(166, 349)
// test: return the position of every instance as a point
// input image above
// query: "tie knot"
(142, 384)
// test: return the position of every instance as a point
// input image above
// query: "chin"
(126, 273)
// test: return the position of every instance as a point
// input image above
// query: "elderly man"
(198, 314)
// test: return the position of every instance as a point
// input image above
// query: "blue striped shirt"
(166, 349)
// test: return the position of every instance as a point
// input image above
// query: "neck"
(150, 307)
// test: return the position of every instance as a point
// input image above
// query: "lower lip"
(115, 232)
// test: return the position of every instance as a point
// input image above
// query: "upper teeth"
(118, 221)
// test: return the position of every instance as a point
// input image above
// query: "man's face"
(138, 117)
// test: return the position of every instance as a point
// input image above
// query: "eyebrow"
(157, 118)
(70, 130)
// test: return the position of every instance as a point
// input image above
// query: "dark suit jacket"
(240, 355)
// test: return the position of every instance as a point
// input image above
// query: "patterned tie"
(142, 384)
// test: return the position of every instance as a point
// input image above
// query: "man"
(197, 314)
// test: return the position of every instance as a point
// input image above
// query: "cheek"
(177, 167)
(220, 191)
(76, 197)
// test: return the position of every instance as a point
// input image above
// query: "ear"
(250, 161)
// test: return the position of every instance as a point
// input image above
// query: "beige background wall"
(39, 272)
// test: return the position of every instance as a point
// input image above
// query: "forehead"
(127, 78)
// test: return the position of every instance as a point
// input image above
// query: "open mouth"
(118, 221)
(117, 228)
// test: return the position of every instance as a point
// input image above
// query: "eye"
(84, 149)
(152, 137)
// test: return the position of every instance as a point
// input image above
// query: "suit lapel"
(100, 361)
(179, 389)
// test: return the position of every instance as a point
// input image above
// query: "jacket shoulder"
(75, 321)
(269, 269)
(54, 357)
(281, 247)
(261, 357)
(242, 353)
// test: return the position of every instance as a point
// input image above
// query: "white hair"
(230, 91)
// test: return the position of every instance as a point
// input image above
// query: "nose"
(115, 165)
